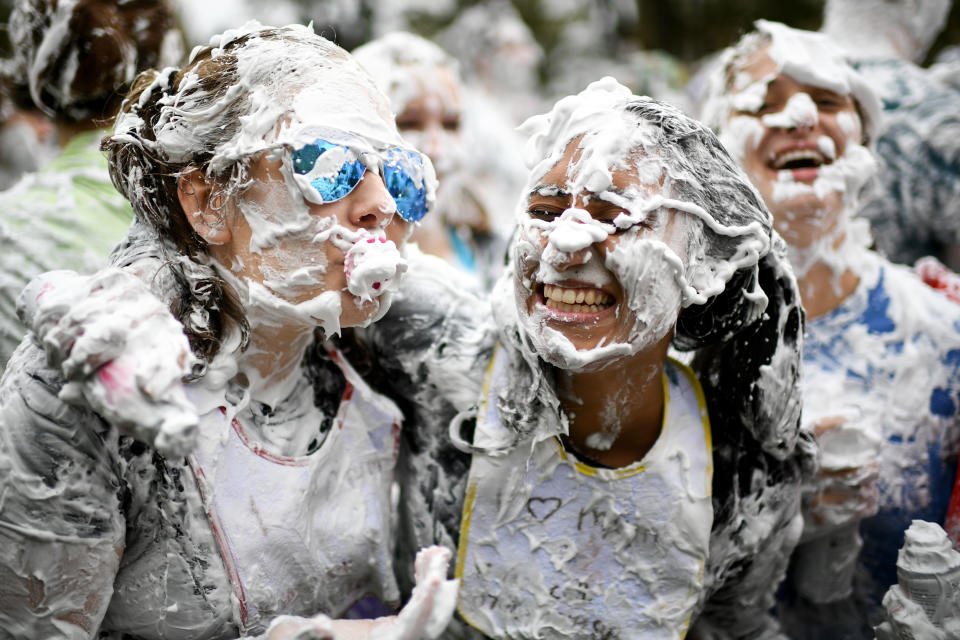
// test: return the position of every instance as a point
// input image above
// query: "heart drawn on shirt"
(543, 508)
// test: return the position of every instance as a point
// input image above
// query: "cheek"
(398, 231)
(741, 137)
(527, 252)
(847, 129)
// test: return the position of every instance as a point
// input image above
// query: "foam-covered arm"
(119, 348)
(61, 532)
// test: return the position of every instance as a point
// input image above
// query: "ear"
(203, 206)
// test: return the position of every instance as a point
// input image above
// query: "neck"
(822, 289)
(272, 360)
(827, 279)
(616, 413)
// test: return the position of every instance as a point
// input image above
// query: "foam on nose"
(800, 111)
(575, 230)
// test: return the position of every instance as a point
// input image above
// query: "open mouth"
(576, 300)
(798, 160)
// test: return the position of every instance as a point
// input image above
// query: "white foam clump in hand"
(432, 602)
(373, 266)
(848, 446)
(121, 351)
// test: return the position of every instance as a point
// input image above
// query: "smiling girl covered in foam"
(880, 383)
(613, 491)
(273, 196)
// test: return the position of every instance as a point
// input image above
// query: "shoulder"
(434, 318)
(924, 305)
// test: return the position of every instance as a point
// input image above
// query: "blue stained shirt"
(889, 357)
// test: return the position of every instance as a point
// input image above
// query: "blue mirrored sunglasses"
(411, 199)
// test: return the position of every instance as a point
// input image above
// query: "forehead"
(757, 66)
(760, 76)
(578, 172)
(340, 102)
(421, 83)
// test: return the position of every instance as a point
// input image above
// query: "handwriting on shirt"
(591, 517)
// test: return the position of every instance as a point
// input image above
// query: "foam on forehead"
(807, 57)
(598, 113)
(285, 84)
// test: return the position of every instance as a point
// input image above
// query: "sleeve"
(61, 526)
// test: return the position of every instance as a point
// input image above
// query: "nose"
(800, 114)
(563, 260)
(804, 126)
(434, 140)
(562, 256)
(371, 205)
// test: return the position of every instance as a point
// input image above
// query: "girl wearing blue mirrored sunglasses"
(256, 497)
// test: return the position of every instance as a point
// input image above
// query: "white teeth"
(797, 154)
(578, 300)
(574, 308)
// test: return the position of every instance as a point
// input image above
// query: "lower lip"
(805, 175)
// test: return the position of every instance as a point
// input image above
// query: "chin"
(366, 313)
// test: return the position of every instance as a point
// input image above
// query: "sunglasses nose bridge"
(371, 205)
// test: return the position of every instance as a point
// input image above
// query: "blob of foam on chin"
(373, 266)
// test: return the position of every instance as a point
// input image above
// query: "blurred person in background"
(476, 162)
(73, 62)
(27, 139)
(914, 205)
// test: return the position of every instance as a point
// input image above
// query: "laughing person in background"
(882, 350)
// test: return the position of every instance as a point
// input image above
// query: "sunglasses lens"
(334, 184)
(411, 199)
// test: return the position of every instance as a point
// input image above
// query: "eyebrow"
(548, 191)
(617, 191)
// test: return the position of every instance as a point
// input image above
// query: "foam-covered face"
(800, 144)
(430, 116)
(313, 239)
(330, 261)
(598, 277)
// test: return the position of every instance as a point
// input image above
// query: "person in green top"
(68, 215)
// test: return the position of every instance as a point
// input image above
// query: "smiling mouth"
(576, 300)
(798, 159)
